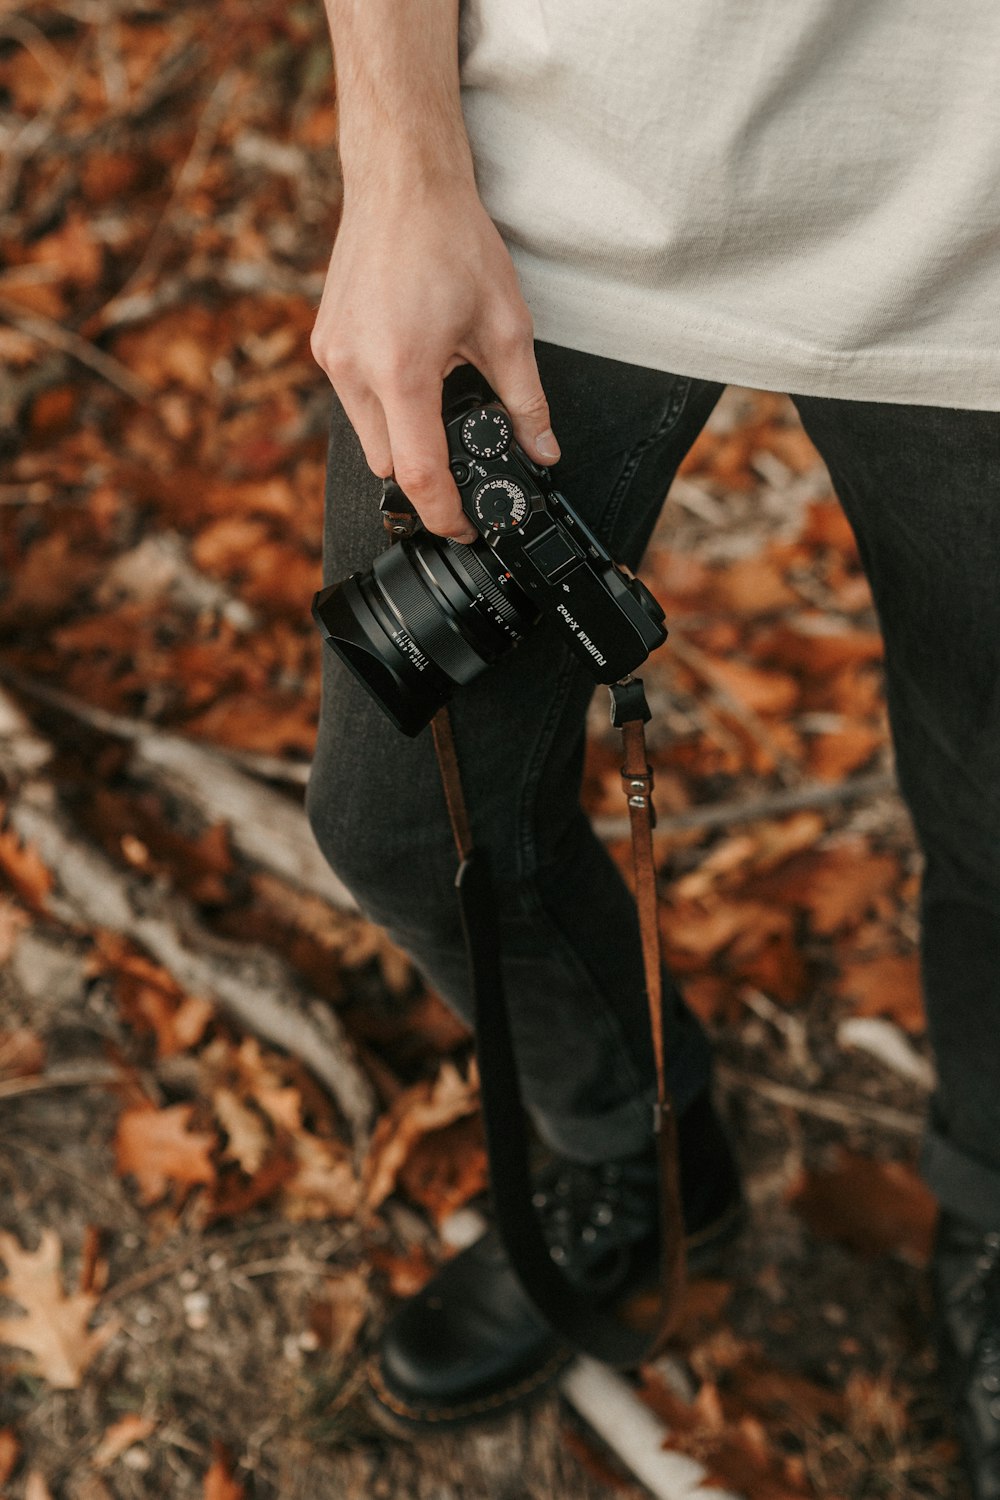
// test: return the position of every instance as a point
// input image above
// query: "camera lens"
(429, 615)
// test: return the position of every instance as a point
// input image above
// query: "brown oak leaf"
(156, 1147)
(426, 1106)
(53, 1328)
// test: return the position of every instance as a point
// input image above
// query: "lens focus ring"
(424, 620)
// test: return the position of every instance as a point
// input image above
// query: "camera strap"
(585, 1319)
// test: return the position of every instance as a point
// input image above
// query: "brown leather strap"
(589, 1327)
(444, 744)
(637, 781)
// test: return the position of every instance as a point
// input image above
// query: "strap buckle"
(628, 702)
(398, 515)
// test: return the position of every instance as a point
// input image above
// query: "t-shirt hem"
(600, 317)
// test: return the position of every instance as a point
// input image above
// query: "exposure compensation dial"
(487, 433)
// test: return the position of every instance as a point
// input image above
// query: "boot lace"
(593, 1217)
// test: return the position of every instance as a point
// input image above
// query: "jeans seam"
(671, 416)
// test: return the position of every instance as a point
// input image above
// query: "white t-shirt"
(799, 195)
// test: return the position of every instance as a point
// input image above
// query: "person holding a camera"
(610, 215)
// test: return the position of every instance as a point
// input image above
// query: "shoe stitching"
(431, 1414)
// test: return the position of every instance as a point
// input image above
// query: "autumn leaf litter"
(193, 1264)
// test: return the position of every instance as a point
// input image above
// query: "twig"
(203, 273)
(118, 1203)
(775, 804)
(265, 825)
(36, 133)
(48, 331)
(187, 175)
(149, 1275)
(34, 40)
(789, 1026)
(120, 726)
(81, 1077)
(844, 1109)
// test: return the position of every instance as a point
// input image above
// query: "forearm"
(400, 114)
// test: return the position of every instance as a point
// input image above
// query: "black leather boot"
(965, 1277)
(471, 1345)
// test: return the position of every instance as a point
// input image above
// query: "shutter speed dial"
(487, 433)
(500, 503)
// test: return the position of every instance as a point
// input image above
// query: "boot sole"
(403, 1418)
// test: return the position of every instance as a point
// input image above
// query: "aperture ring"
(423, 616)
(507, 611)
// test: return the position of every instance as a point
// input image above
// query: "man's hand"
(419, 282)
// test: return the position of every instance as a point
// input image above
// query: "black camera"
(431, 613)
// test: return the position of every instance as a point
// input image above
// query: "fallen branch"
(844, 1109)
(774, 805)
(252, 985)
(266, 827)
(48, 331)
(87, 1075)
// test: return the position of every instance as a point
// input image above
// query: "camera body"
(431, 613)
(609, 618)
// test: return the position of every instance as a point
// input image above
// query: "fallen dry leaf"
(248, 1139)
(131, 1428)
(54, 1327)
(219, 1482)
(10, 1448)
(817, 644)
(694, 934)
(324, 1184)
(149, 997)
(763, 691)
(835, 755)
(749, 586)
(156, 1147)
(22, 1053)
(23, 867)
(251, 1073)
(875, 1207)
(737, 1453)
(425, 1107)
(178, 1022)
(405, 1274)
(836, 885)
(888, 985)
(447, 1167)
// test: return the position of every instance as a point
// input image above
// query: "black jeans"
(921, 486)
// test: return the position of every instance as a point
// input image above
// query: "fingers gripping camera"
(431, 614)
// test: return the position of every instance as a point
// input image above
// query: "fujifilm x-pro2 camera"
(430, 614)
